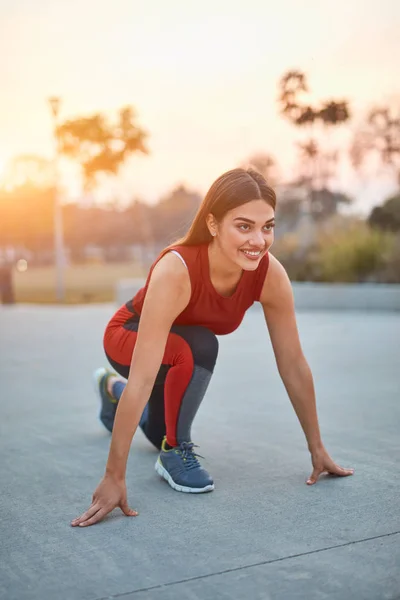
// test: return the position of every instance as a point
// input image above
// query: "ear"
(211, 224)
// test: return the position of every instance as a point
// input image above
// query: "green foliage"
(298, 264)
(387, 216)
(346, 250)
(352, 254)
(324, 203)
(390, 273)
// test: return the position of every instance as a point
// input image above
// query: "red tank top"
(207, 307)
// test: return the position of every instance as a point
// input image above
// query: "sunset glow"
(202, 77)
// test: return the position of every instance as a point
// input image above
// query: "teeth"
(251, 253)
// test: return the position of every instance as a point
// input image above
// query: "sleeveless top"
(207, 307)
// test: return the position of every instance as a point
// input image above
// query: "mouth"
(252, 254)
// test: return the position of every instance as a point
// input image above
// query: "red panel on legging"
(119, 344)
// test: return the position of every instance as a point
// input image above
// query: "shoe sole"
(180, 488)
(97, 376)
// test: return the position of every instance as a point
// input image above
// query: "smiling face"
(245, 233)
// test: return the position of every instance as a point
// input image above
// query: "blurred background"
(115, 118)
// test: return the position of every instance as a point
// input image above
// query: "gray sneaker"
(108, 403)
(181, 469)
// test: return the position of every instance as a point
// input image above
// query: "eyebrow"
(253, 222)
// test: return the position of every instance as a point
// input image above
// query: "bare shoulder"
(168, 293)
(169, 282)
(277, 288)
(170, 265)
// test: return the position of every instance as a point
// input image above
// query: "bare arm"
(278, 305)
(167, 296)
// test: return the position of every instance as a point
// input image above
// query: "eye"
(245, 227)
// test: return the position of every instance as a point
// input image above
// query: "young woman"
(163, 342)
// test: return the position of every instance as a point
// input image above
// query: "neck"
(221, 267)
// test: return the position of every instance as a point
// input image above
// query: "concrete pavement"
(262, 534)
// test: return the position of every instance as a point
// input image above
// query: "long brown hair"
(230, 190)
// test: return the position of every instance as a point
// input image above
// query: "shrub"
(353, 253)
(297, 261)
(345, 249)
(386, 216)
(390, 273)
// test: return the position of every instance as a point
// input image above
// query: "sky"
(202, 76)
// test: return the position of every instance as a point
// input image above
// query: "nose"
(257, 239)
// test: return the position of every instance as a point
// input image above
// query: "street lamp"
(58, 223)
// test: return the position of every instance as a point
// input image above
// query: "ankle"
(168, 446)
(110, 383)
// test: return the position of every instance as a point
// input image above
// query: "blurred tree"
(26, 204)
(265, 164)
(292, 85)
(29, 169)
(316, 166)
(138, 223)
(391, 271)
(333, 113)
(379, 136)
(353, 253)
(172, 215)
(288, 213)
(101, 147)
(387, 216)
(26, 218)
(324, 204)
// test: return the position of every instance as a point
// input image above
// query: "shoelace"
(189, 456)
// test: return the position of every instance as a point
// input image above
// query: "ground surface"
(262, 534)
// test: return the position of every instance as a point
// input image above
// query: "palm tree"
(379, 136)
(316, 165)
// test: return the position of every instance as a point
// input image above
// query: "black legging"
(189, 361)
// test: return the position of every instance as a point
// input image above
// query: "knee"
(201, 342)
(204, 346)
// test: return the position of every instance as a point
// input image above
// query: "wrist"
(315, 447)
(117, 476)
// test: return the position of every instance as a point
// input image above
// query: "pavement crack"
(257, 564)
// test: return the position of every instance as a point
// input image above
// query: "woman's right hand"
(108, 495)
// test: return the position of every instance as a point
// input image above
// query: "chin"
(246, 267)
(248, 264)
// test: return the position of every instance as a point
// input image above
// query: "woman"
(164, 340)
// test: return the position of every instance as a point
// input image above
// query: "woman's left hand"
(323, 463)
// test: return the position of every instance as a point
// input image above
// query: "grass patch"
(84, 284)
